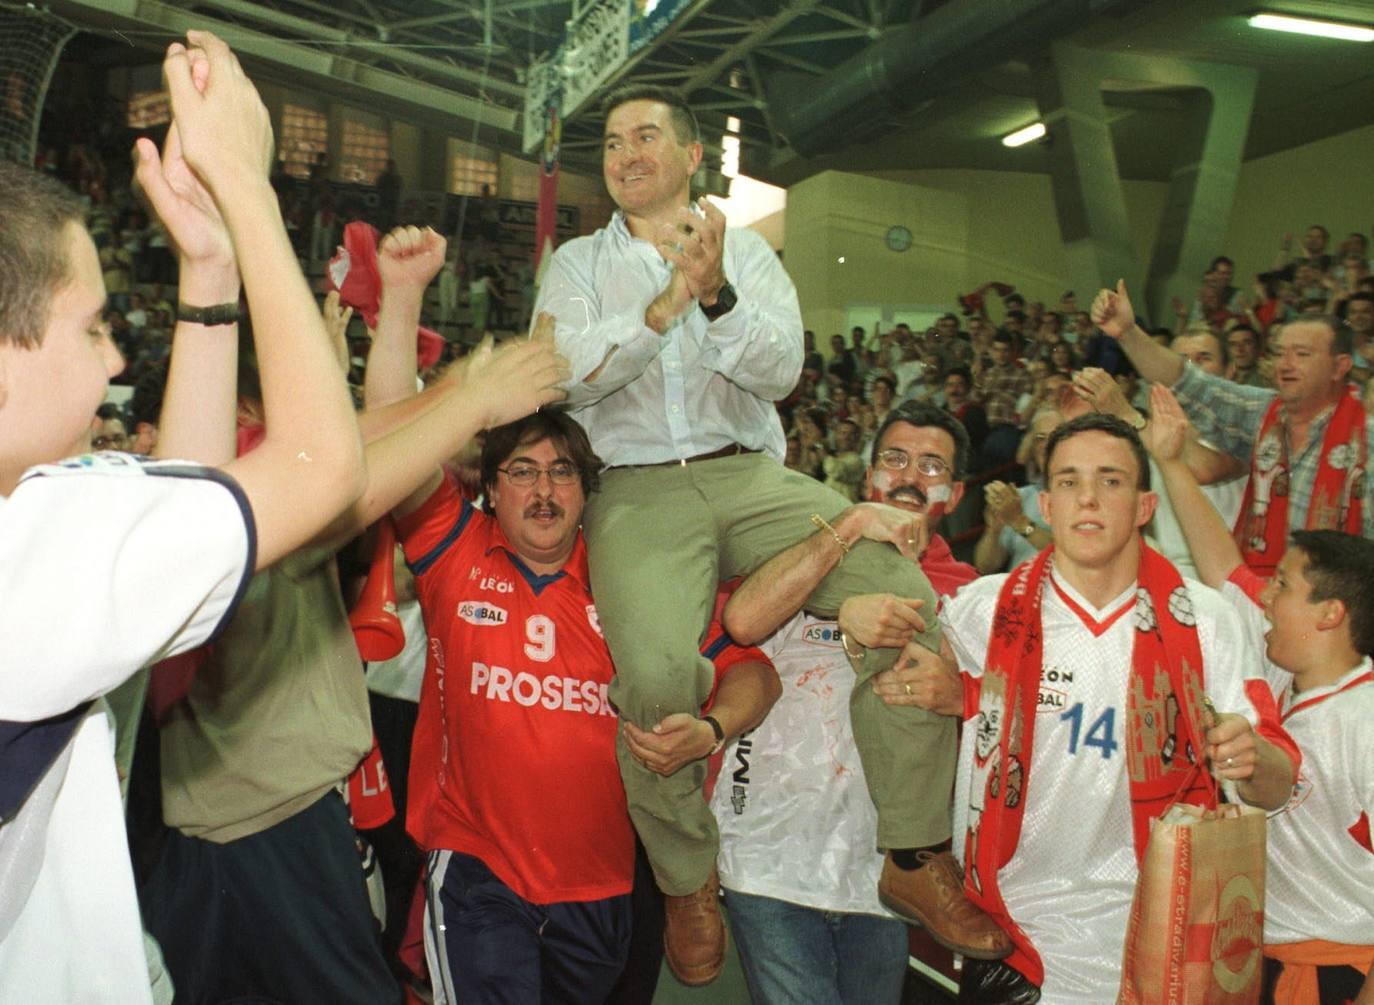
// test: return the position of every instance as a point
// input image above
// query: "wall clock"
(898, 237)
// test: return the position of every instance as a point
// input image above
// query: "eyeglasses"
(525, 475)
(930, 465)
(109, 442)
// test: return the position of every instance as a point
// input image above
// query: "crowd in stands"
(266, 717)
(997, 366)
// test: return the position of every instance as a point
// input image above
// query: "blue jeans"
(801, 954)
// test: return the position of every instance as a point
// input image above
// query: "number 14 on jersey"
(1101, 733)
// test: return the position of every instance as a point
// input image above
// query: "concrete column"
(1083, 173)
(1208, 144)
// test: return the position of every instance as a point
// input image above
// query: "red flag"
(353, 272)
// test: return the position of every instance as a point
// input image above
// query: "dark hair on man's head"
(1342, 337)
(885, 379)
(1013, 298)
(1220, 260)
(1317, 226)
(569, 439)
(1244, 328)
(960, 371)
(1003, 338)
(109, 410)
(923, 414)
(1112, 426)
(1338, 568)
(680, 113)
(34, 213)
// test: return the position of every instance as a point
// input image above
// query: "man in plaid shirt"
(1000, 387)
(1311, 372)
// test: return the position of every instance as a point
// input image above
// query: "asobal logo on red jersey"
(479, 612)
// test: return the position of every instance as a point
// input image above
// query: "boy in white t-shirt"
(1314, 622)
(109, 563)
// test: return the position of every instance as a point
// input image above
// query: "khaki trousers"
(659, 539)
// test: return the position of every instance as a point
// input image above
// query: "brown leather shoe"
(694, 934)
(933, 897)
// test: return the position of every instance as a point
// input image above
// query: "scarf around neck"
(1337, 492)
(1164, 695)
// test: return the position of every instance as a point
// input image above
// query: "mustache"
(909, 492)
(544, 507)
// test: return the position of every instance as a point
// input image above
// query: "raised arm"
(1209, 540)
(408, 259)
(309, 465)
(1111, 311)
(197, 422)
(777, 589)
(496, 387)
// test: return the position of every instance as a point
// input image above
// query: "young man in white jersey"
(108, 563)
(1314, 623)
(1083, 671)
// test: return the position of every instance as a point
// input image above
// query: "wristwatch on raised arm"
(211, 317)
(725, 303)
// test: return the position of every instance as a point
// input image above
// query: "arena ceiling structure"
(813, 84)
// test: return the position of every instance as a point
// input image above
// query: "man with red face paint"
(804, 895)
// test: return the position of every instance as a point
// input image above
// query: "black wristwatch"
(725, 303)
(211, 317)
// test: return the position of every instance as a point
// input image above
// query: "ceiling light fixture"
(1021, 137)
(1307, 26)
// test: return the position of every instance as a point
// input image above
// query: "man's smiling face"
(908, 487)
(647, 165)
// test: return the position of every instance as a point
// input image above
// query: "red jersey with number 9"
(513, 759)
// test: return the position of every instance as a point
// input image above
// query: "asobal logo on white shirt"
(822, 633)
(478, 612)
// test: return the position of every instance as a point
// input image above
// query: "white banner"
(540, 83)
(596, 46)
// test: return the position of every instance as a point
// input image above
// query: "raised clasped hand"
(222, 124)
(695, 246)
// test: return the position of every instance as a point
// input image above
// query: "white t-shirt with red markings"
(107, 564)
(513, 760)
(796, 821)
(1320, 880)
(1070, 883)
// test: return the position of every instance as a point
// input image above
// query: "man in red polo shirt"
(514, 788)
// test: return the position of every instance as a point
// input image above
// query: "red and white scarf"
(1337, 493)
(1164, 696)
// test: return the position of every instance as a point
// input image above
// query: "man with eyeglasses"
(806, 892)
(109, 431)
(514, 791)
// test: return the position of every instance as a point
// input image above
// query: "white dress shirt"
(699, 386)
